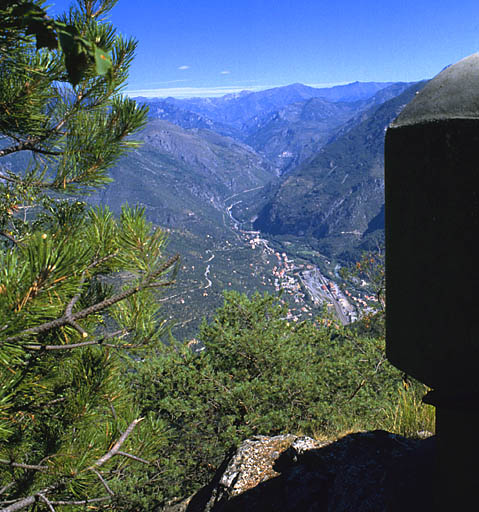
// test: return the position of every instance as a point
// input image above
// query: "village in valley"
(246, 261)
(309, 288)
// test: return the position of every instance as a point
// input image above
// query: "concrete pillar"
(432, 262)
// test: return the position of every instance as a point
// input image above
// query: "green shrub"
(258, 374)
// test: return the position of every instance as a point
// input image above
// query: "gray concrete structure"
(432, 263)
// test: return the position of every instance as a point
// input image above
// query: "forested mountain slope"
(182, 176)
(337, 196)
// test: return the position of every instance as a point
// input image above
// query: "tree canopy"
(254, 372)
(77, 286)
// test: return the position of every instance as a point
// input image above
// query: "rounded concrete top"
(452, 94)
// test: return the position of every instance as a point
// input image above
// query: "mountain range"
(336, 198)
(307, 163)
(296, 132)
(303, 166)
(312, 156)
(240, 108)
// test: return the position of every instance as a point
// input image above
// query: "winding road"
(207, 271)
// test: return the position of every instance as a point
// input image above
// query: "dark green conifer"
(69, 430)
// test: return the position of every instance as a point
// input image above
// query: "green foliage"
(43, 111)
(78, 288)
(407, 414)
(63, 398)
(258, 374)
(80, 53)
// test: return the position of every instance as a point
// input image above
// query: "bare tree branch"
(100, 341)
(56, 401)
(116, 447)
(78, 502)
(28, 145)
(70, 346)
(102, 260)
(113, 411)
(133, 457)
(18, 505)
(69, 308)
(68, 502)
(45, 500)
(5, 488)
(22, 466)
(103, 481)
(26, 502)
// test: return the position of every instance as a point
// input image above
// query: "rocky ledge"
(363, 472)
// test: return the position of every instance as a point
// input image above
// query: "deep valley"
(270, 191)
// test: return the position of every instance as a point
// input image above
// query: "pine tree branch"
(79, 502)
(133, 457)
(115, 450)
(19, 505)
(103, 482)
(71, 346)
(59, 502)
(70, 319)
(113, 411)
(5, 488)
(46, 501)
(26, 502)
(9, 237)
(29, 145)
(69, 308)
(102, 260)
(51, 117)
(116, 447)
(19, 181)
(10, 179)
(56, 401)
(100, 306)
(22, 466)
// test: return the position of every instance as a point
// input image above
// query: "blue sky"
(212, 47)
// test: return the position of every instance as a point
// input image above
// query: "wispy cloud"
(194, 92)
(182, 68)
(225, 72)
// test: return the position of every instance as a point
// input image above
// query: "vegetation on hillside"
(261, 374)
(336, 197)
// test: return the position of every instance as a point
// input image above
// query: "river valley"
(247, 261)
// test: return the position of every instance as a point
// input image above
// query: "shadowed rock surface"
(363, 472)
